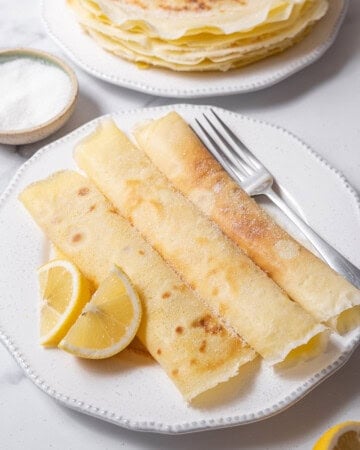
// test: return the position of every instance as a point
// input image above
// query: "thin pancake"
(170, 20)
(177, 152)
(210, 263)
(193, 348)
(221, 35)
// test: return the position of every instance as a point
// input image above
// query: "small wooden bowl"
(34, 134)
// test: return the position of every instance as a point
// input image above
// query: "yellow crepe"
(187, 35)
(177, 152)
(179, 331)
(227, 280)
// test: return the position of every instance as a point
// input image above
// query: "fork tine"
(230, 150)
(251, 157)
(215, 150)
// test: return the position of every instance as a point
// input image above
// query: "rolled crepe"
(227, 280)
(179, 331)
(177, 152)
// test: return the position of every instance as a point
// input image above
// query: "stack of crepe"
(204, 35)
(208, 309)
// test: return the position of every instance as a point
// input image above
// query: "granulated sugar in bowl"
(37, 92)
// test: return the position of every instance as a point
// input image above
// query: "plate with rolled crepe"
(193, 49)
(240, 320)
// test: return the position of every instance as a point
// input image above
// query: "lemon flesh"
(344, 436)
(108, 323)
(64, 292)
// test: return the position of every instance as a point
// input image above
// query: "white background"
(322, 106)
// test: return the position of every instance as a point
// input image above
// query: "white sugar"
(32, 91)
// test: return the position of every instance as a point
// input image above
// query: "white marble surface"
(322, 106)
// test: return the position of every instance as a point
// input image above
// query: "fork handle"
(335, 260)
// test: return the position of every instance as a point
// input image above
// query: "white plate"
(131, 390)
(62, 26)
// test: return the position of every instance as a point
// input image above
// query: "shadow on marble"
(287, 428)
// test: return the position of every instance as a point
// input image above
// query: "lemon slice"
(64, 292)
(344, 436)
(108, 323)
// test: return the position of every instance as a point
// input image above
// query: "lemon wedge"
(108, 323)
(344, 436)
(64, 292)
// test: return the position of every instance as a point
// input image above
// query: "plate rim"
(197, 425)
(289, 70)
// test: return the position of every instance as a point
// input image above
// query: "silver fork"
(255, 179)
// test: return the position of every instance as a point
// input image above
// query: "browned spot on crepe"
(202, 347)
(77, 237)
(209, 324)
(83, 191)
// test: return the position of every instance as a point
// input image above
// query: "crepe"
(226, 279)
(207, 35)
(177, 152)
(179, 331)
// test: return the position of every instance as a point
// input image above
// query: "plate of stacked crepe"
(193, 49)
(240, 320)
